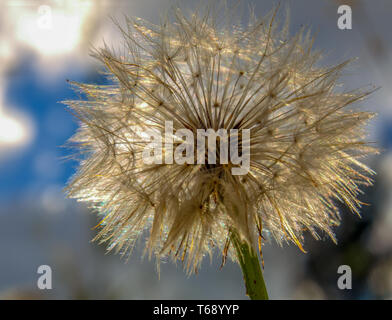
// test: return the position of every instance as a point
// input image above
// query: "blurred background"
(44, 43)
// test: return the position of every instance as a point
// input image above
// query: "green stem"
(250, 265)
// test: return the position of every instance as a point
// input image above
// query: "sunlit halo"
(52, 29)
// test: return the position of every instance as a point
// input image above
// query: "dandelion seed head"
(201, 71)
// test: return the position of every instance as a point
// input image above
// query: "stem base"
(250, 265)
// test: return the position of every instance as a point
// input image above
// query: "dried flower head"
(204, 72)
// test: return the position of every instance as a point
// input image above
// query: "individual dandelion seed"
(203, 71)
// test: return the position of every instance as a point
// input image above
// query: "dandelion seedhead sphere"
(203, 71)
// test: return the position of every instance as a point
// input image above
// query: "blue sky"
(54, 125)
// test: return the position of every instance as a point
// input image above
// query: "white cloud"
(16, 130)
